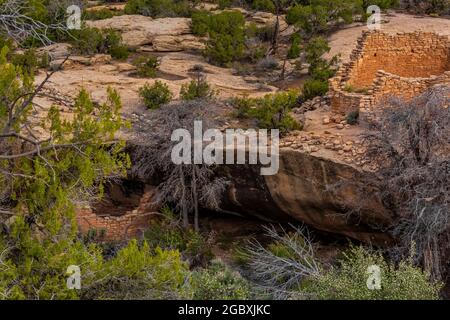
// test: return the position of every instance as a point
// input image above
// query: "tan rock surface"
(138, 30)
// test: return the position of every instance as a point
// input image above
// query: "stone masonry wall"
(404, 65)
(118, 228)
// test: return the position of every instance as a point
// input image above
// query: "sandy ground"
(344, 41)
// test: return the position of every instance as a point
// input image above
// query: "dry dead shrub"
(410, 141)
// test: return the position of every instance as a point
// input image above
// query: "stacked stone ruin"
(383, 65)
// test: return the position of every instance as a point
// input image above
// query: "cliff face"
(324, 194)
(327, 195)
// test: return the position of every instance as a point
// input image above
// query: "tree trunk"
(195, 198)
(277, 29)
(184, 211)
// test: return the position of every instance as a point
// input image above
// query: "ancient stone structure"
(114, 222)
(402, 65)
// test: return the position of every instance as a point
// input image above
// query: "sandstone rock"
(347, 148)
(169, 43)
(56, 51)
(138, 31)
(326, 120)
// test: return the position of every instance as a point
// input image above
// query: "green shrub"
(226, 34)
(160, 8)
(113, 44)
(313, 88)
(90, 41)
(168, 234)
(349, 280)
(226, 37)
(218, 282)
(319, 69)
(350, 88)
(352, 117)
(317, 16)
(101, 14)
(242, 106)
(146, 66)
(200, 23)
(119, 52)
(141, 273)
(196, 89)
(156, 95)
(271, 112)
(263, 5)
(222, 4)
(27, 60)
(45, 61)
(294, 49)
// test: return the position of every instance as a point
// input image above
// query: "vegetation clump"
(289, 267)
(226, 35)
(160, 8)
(271, 111)
(156, 95)
(91, 41)
(146, 66)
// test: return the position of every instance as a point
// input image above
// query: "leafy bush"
(159, 8)
(44, 189)
(289, 268)
(226, 34)
(224, 4)
(318, 16)
(320, 69)
(168, 234)
(146, 66)
(255, 50)
(314, 88)
(271, 112)
(93, 41)
(200, 23)
(218, 282)
(264, 33)
(156, 95)
(27, 60)
(352, 117)
(196, 89)
(349, 280)
(294, 49)
(226, 37)
(139, 272)
(101, 14)
(263, 5)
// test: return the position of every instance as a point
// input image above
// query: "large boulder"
(165, 34)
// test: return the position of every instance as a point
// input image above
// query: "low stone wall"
(403, 65)
(391, 84)
(130, 224)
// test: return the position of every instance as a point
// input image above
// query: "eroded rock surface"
(164, 34)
